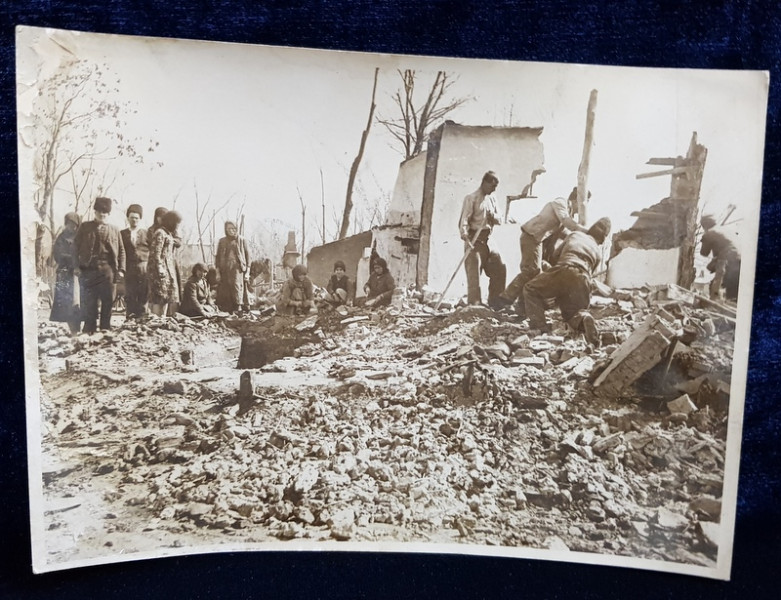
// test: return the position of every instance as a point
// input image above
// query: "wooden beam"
(584, 162)
(662, 161)
(673, 171)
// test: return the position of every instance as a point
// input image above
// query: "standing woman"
(232, 261)
(65, 307)
(161, 269)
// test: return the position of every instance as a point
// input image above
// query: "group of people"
(298, 297)
(567, 277)
(559, 257)
(92, 257)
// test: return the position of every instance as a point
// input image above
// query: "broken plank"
(673, 171)
(722, 309)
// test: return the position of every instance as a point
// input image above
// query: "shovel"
(461, 262)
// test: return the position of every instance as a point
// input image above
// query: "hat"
(708, 221)
(299, 270)
(136, 208)
(73, 218)
(102, 204)
(199, 266)
(600, 230)
(339, 264)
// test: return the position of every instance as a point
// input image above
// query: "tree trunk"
(348, 202)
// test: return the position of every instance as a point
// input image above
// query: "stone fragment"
(609, 442)
(707, 507)
(555, 543)
(637, 355)
(197, 509)
(667, 519)
(595, 512)
(175, 387)
(584, 367)
(570, 363)
(676, 292)
(307, 324)
(342, 523)
(531, 361)
(711, 533)
(540, 345)
(682, 404)
(522, 341)
(498, 350)
(691, 386)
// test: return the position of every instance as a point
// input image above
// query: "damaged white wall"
(404, 208)
(465, 154)
(636, 267)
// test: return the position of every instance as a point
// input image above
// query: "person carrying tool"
(478, 217)
(725, 265)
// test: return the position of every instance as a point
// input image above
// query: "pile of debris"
(403, 424)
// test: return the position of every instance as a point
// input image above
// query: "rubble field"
(406, 424)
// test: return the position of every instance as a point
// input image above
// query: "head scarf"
(228, 224)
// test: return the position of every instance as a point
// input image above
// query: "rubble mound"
(396, 425)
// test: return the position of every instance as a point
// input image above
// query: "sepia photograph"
(281, 299)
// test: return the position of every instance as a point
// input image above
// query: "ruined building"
(659, 248)
(420, 238)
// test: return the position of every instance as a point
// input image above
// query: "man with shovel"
(478, 217)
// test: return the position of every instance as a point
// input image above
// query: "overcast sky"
(257, 123)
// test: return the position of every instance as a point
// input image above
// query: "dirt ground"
(404, 424)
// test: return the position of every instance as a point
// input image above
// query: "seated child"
(197, 298)
(379, 288)
(340, 288)
(297, 294)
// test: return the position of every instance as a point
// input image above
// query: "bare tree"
(303, 222)
(348, 202)
(416, 121)
(322, 200)
(78, 131)
(204, 225)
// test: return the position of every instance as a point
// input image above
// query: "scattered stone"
(667, 519)
(707, 507)
(682, 405)
(711, 533)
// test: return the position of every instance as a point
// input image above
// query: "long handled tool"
(461, 262)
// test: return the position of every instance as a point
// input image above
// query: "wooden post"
(584, 162)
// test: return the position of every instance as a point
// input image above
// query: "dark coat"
(85, 243)
(380, 287)
(138, 255)
(63, 308)
(196, 296)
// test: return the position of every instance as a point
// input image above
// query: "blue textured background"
(716, 34)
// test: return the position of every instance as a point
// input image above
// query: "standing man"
(136, 243)
(569, 282)
(99, 261)
(553, 216)
(478, 214)
(725, 265)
